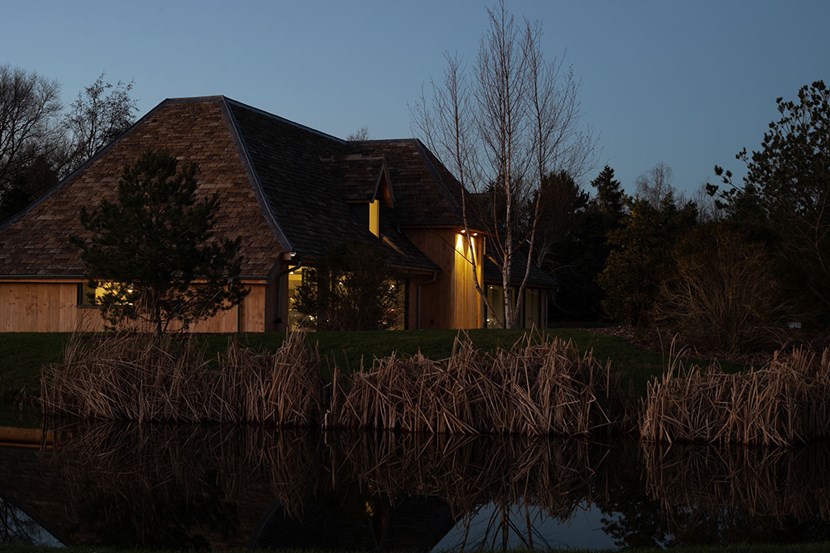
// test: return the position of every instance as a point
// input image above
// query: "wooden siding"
(451, 301)
(466, 300)
(44, 307)
(52, 307)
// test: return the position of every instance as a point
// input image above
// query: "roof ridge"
(253, 176)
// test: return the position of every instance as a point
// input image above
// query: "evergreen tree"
(610, 199)
(641, 259)
(153, 250)
(579, 295)
(787, 190)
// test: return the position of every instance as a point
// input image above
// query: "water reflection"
(213, 487)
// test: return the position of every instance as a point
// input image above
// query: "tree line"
(42, 140)
(727, 270)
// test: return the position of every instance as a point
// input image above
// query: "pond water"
(215, 487)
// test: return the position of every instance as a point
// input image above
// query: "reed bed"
(540, 386)
(137, 378)
(784, 403)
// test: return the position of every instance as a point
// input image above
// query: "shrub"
(723, 295)
(351, 288)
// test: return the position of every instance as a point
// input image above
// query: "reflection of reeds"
(717, 483)
(784, 403)
(148, 464)
(469, 471)
(136, 378)
(136, 461)
(539, 386)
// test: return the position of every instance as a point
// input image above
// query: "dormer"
(366, 187)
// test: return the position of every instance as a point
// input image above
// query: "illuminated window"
(91, 296)
(374, 218)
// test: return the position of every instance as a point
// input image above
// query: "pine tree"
(153, 250)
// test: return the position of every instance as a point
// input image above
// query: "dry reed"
(539, 386)
(783, 403)
(138, 378)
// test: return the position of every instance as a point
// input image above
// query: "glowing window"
(88, 296)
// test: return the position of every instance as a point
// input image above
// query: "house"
(291, 193)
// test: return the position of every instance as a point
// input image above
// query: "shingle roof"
(279, 189)
(358, 177)
(301, 173)
(35, 243)
(426, 193)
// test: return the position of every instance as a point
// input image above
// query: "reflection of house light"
(475, 234)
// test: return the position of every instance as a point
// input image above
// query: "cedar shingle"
(282, 187)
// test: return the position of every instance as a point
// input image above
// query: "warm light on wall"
(374, 218)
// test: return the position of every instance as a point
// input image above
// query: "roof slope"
(282, 186)
(426, 193)
(35, 243)
(359, 177)
(307, 180)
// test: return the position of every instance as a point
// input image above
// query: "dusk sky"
(683, 83)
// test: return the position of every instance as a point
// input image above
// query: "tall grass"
(783, 403)
(539, 386)
(139, 378)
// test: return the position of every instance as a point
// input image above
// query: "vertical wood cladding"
(451, 301)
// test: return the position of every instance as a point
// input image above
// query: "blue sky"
(683, 83)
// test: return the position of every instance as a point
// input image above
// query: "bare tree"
(29, 106)
(502, 132)
(100, 113)
(360, 134)
(655, 184)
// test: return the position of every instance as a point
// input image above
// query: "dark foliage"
(786, 194)
(723, 296)
(641, 259)
(154, 250)
(351, 288)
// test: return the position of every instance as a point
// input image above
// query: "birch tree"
(502, 126)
